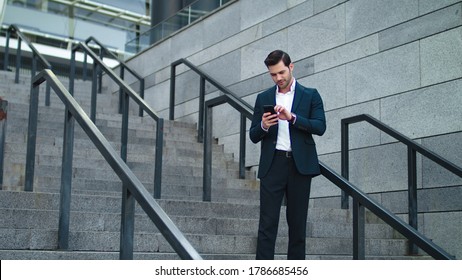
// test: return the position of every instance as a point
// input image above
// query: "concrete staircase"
(223, 229)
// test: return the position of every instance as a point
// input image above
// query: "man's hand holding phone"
(270, 117)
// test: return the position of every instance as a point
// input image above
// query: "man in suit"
(288, 158)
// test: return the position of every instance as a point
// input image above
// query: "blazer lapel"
(297, 97)
(270, 98)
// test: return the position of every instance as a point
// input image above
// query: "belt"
(284, 153)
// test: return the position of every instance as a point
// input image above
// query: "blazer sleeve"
(316, 122)
(256, 132)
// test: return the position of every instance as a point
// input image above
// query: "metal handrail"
(243, 106)
(360, 199)
(413, 148)
(3, 124)
(104, 50)
(133, 188)
(237, 103)
(36, 55)
(128, 93)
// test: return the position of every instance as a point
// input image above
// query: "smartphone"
(269, 108)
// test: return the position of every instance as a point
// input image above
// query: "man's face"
(281, 75)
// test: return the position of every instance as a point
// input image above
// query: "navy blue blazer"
(308, 107)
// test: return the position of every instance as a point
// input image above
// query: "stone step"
(25, 81)
(45, 135)
(22, 97)
(111, 204)
(87, 150)
(34, 239)
(26, 77)
(53, 126)
(94, 221)
(95, 169)
(79, 255)
(50, 122)
(81, 89)
(172, 188)
(93, 255)
(99, 164)
(111, 133)
(53, 179)
(106, 103)
(20, 110)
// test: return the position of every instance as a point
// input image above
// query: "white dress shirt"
(286, 100)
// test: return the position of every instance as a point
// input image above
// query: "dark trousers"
(283, 179)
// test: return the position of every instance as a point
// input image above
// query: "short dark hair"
(275, 56)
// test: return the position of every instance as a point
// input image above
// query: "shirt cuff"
(294, 118)
(264, 129)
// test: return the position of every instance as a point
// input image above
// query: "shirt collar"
(292, 89)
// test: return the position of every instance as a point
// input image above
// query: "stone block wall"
(399, 61)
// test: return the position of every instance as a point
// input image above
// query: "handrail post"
(18, 60)
(72, 74)
(66, 181)
(100, 72)
(127, 227)
(141, 95)
(7, 50)
(34, 66)
(412, 195)
(31, 139)
(207, 183)
(94, 85)
(200, 126)
(345, 161)
(242, 140)
(359, 238)
(172, 92)
(121, 93)
(158, 159)
(34, 69)
(3, 123)
(124, 130)
(85, 65)
(47, 92)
